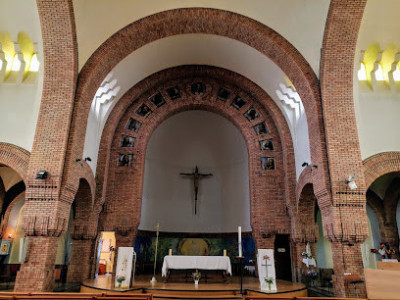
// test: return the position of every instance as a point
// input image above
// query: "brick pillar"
(37, 273)
(81, 260)
(347, 266)
(264, 241)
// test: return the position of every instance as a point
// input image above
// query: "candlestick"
(153, 280)
(240, 240)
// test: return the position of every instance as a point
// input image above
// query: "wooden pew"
(72, 296)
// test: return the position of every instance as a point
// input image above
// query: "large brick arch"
(379, 165)
(208, 21)
(108, 173)
(16, 158)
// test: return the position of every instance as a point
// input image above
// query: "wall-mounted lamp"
(41, 175)
(351, 182)
(305, 164)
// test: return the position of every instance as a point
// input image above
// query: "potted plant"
(312, 275)
(120, 278)
(196, 277)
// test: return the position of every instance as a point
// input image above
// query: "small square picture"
(5, 247)
(198, 88)
(261, 128)
(238, 102)
(267, 163)
(158, 100)
(125, 160)
(223, 94)
(144, 110)
(251, 114)
(174, 93)
(266, 145)
(133, 125)
(128, 141)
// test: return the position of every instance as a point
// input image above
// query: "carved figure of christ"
(196, 176)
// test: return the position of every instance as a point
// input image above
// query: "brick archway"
(214, 79)
(208, 21)
(16, 158)
(379, 165)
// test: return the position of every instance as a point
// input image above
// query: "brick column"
(37, 273)
(348, 266)
(81, 260)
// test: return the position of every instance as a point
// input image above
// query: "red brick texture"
(379, 165)
(123, 191)
(45, 215)
(375, 167)
(346, 220)
(208, 21)
(16, 158)
(61, 130)
(37, 274)
(79, 267)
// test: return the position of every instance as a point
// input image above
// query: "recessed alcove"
(178, 145)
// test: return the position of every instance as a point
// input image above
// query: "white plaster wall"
(216, 146)
(372, 241)
(301, 22)
(302, 145)
(378, 122)
(377, 111)
(19, 104)
(323, 246)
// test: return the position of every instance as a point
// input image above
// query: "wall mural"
(145, 246)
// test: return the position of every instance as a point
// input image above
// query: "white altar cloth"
(183, 262)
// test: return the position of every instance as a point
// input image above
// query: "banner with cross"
(266, 269)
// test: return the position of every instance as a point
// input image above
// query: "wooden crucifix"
(196, 176)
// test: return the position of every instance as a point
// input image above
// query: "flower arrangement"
(196, 275)
(269, 281)
(120, 278)
(384, 250)
(312, 274)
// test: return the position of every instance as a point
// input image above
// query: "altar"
(201, 263)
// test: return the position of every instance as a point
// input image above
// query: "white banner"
(266, 269)
(124, 267)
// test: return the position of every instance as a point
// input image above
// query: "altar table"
(183, 262)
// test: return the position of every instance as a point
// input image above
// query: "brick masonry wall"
(79, 267)
(124, 184)
(346, 219)
(209, 21)
(37, 273)
(56, 109)
(379, 165)
(16, 158)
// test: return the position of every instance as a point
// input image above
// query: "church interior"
(255, 136)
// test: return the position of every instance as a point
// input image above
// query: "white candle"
(240, 240)
(224, 252)
(170, 252)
